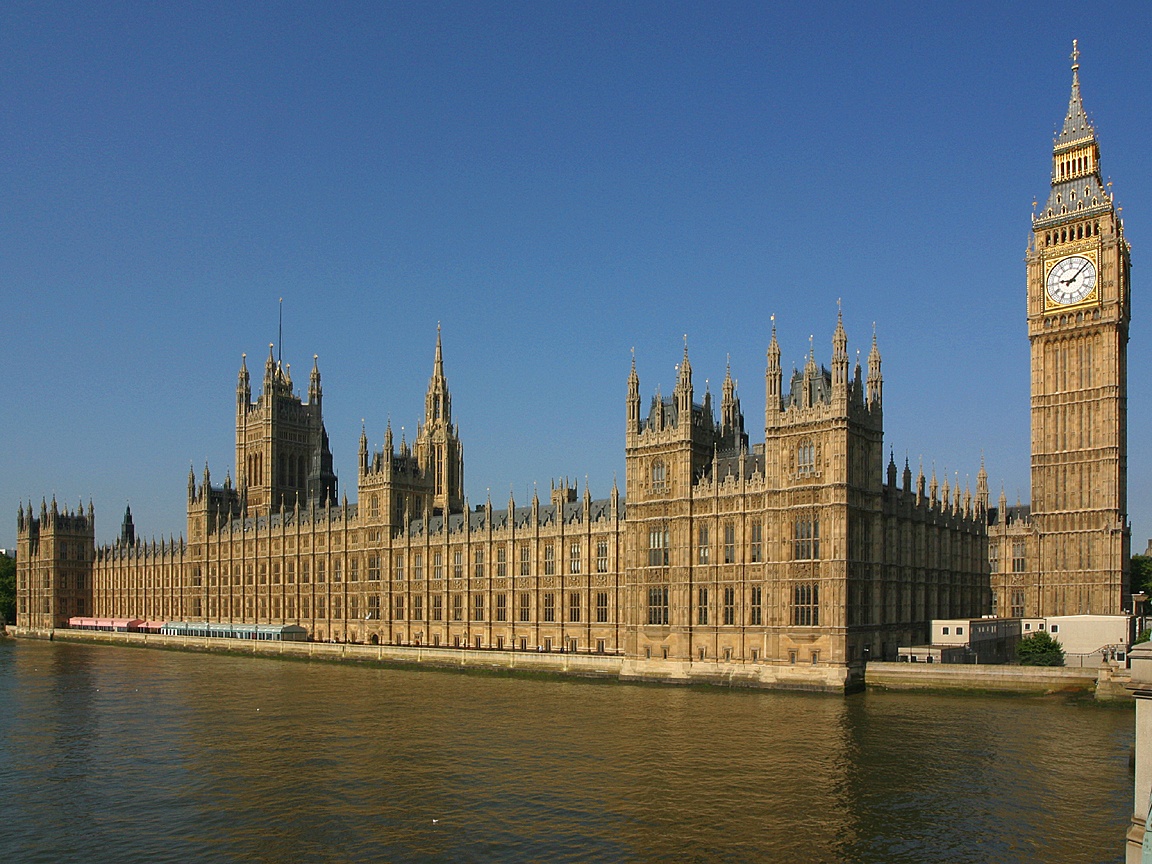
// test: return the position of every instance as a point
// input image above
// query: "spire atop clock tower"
(1076, 182)
(1076, 125)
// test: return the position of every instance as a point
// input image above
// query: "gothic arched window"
(806, 459)
(659, 474)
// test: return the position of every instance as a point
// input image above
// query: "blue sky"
(557, 184)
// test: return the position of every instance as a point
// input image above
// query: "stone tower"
(399, 484)
(666, 453)
(1078, 311)
(282, 454)
(54, 555)
(438, 450)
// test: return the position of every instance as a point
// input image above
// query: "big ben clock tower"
(1078, 312)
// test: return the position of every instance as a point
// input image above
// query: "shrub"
(1039, 649)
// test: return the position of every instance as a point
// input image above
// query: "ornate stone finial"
(1075, 56)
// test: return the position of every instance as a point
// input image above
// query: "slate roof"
(730, 465)
(1076, 124)
(521, 517)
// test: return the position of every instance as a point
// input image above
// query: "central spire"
(438, 403)
(438, 365)
(1076, 125)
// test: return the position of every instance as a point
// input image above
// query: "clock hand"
(1077, 273)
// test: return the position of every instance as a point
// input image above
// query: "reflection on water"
(137, 755)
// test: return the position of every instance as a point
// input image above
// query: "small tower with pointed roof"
(438, 449)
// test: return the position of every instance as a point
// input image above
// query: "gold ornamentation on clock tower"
(1078, 312)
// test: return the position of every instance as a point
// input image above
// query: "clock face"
(1071, 280)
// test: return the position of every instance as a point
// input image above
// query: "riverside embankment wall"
(760, 675)
(1105, 682)
(1012, 679)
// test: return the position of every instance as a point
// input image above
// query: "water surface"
(142, 755)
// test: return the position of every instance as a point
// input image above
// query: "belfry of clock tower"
(1078, 311)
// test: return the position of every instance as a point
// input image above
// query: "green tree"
(1142, 573)
(7, 590)
(1039, 649)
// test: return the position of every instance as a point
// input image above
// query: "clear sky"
(557, 183)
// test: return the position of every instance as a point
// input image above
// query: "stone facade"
(798, 551)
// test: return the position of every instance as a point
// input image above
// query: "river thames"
(141, 755)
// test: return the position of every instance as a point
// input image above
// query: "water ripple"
(134, 755)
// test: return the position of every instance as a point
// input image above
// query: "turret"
(840, 361)
(875, 383)
(270, 371)
(732, 432)
(982, 488)
(315, 392)
(633, 398)
(437, 402)
(811, 371)
(683, 393)
(127, 528)
(437, 448)
(243, 386)
(773, 381)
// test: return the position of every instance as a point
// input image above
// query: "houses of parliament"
(806, 550)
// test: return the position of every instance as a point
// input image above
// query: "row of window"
(549, 609)
(66, 580)
(805, 605)
(1076, 232)
(806, 543)
(373, 608)
(459, 570)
